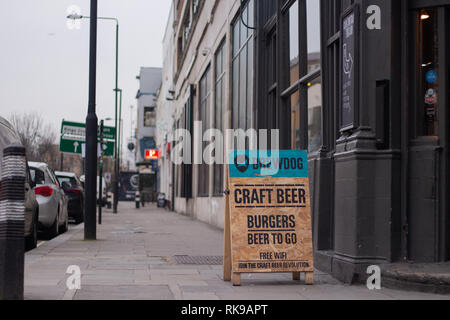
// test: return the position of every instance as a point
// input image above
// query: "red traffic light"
(151, 154)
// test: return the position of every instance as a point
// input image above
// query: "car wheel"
(65, 226)
(31, 240)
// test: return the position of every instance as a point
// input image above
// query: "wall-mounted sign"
(430, 97)
(431, 76)
(349, 69)
(268, 221)
(151, 154)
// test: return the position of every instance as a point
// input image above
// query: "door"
(428, 217)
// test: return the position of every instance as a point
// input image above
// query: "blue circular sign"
(431, 76)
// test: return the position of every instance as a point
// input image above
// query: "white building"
(198, 49)
(150, 82)
(165, 112)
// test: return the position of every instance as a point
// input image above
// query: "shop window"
(302, 91)
(315, 84)
(243, 69)
(315, 115)
(219, 111)
(294, 43)
(184, 171)
(204, 117)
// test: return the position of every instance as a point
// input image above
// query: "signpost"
(73, 139)
(268, 218)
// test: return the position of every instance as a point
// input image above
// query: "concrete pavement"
(142, 254)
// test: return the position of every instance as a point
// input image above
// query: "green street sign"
(76, 130)
(71, 146)
(73, 139)
(109, 133)
(108, 148)
(77, 147)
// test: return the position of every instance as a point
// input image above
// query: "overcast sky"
(44, 65)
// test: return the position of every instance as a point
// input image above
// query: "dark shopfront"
(378, 139)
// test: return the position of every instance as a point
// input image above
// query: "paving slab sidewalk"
(134, 259)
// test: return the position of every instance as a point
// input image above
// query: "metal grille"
(199, 260)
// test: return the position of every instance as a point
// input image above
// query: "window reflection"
(315, 87)
(315, 115)
(313, 25)
(294, 42)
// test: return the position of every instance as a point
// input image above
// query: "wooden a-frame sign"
(267, 215)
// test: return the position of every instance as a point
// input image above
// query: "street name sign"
(73, 138)
(76, 129)
(268, 215)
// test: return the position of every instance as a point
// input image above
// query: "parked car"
(105, 199)
(9, 136)
(75, 193)
(53, 216)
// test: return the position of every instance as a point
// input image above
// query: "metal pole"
(100, 183)
(90, 226)
(120, 130)
(116, 173)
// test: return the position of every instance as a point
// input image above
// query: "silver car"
(53, 214)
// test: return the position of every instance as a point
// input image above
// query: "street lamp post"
(90, 226)
(119, 133)
(116, 157)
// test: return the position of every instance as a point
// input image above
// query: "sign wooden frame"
(241, 254)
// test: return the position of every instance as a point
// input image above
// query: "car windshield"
(71, 181)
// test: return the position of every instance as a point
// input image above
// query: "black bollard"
(12, 223)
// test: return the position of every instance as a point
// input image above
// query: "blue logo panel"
(431, 76)
(273, 163)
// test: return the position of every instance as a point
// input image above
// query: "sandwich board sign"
(268, 215)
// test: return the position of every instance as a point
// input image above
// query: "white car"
(53, 214)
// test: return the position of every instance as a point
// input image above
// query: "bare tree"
(36, 136)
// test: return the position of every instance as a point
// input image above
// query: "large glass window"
(294, 42)
(204, 117)
(314, 85)
(427, 73)
(305, 96)
(243, 69)
(219, 111)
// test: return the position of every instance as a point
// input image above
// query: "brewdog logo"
(273, 163)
